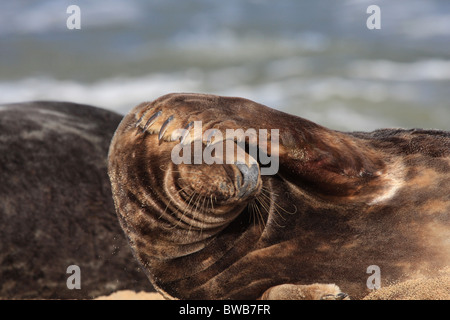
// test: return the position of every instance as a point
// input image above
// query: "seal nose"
(250, 175)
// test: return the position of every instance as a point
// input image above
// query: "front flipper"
(316, 291)
(327, 161)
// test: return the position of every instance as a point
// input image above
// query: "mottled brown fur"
(339, 203)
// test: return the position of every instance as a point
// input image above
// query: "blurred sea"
(315, 59)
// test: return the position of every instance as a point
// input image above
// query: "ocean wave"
(422, 70)
(118, 94)
(281, 83)
(339, 102)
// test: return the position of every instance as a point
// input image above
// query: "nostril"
(250, 177)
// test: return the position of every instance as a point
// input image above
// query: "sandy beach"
(437, 288)
(131, 295)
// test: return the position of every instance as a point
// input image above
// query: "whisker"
(194, 215)
(251, 210)
(268, 190)
(184, 211)
(276, 204)
(270, 200)
(168, 204)
(205, 210)
(212, 204)
(193, 172)
(267, 208)
(260, 214)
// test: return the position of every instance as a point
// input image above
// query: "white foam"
(422, 70)
(341, 100)
(119, 94)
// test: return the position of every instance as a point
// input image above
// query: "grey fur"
(56, 207)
